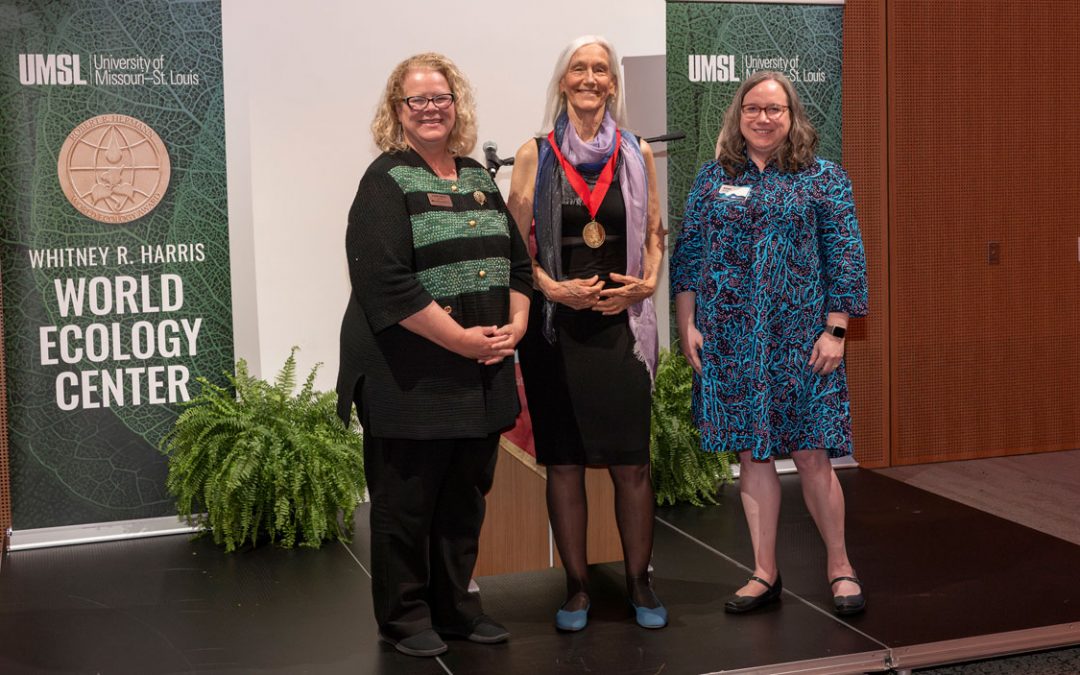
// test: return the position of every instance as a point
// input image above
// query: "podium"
(516, 536)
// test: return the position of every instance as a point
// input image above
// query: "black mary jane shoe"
(741, 604)
(846, 605)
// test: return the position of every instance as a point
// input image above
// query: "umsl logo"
(50, 69)
(712, 68)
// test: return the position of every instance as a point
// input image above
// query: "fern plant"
(681, 472)
(254, 460)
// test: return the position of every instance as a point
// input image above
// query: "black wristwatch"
(836, 331)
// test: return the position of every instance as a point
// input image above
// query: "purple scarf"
(634, 184)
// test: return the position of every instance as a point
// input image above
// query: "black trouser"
(427, 506)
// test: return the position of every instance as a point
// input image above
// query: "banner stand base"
(92, 533)
(786, 466)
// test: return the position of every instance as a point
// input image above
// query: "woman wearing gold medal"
(588, 357)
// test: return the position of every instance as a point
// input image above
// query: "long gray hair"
(556, 102)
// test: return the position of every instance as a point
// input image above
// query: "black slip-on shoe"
(483, 630)
(425, 643)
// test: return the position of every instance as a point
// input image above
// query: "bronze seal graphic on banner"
(113, 168)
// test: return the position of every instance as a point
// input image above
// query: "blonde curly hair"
(386, 127)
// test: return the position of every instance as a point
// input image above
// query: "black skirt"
(588, 394)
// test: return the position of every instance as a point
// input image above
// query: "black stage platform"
(945, 582)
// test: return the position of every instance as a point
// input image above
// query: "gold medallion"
(113, 168)
(480, 197)
(593, 234)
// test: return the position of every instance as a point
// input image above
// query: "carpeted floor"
(1057, 662)
(1039, 491)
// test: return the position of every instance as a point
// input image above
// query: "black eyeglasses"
(418, 103)
(771, 111)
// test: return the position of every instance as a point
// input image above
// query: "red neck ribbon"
(591, 198)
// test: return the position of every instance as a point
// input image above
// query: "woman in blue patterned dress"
(767, 269)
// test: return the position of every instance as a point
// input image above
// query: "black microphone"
(492, 157)
(671, 136)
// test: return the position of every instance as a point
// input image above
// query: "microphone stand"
(494, 162)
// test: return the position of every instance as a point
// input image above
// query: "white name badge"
(736, 191)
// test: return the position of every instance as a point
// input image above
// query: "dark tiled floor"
(935, 570)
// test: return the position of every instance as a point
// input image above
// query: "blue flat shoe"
(572, 622)
(646, 617)
(650, 617)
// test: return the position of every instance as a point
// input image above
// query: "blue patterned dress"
(766, 268)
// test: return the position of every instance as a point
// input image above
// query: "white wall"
(301, 84)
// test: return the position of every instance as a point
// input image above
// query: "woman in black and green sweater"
(440, 297)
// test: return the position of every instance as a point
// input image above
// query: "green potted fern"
(681, 472)
(253, 462)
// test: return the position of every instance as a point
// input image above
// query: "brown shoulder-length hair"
(386, 127)
(797, 151)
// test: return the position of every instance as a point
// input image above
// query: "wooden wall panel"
(865, 160)
(984, 137)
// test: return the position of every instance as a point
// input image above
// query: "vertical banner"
(115, 260)
(713, 46)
